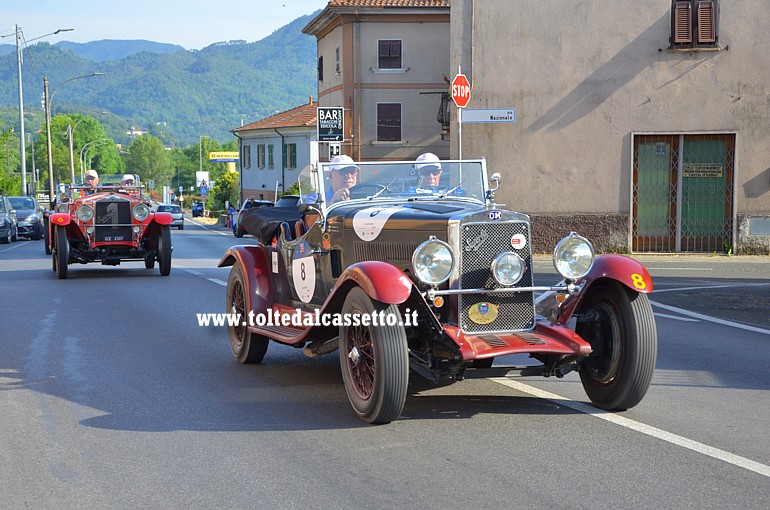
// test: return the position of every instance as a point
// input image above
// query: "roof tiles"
(304, 115)
(388, 3)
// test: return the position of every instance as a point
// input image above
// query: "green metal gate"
(683, 193)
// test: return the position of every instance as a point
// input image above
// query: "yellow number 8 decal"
(638, 281)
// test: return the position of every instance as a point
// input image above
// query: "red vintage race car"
(408, 268)
(109, 224)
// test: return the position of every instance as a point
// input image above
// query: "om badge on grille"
(483, 313)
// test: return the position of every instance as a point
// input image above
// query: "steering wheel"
(366, 190)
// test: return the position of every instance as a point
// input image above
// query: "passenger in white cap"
(429, 167)
(127, 180)
(343, 175)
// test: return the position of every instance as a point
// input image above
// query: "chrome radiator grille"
(113, 220)
(480, 243)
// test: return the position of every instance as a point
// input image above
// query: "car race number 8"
(303, 272)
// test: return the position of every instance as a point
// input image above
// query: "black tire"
(181, 227)
(246, 346)
(61, 253)
(7, 239)
(237, 231)
(164, 250)
(15, 238)
(374, 360)
(46, 240)
(620, 327)
(149, 262)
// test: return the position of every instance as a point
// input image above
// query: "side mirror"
(495, 180)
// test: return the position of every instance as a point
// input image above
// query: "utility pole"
(23, 153)
(51, 190)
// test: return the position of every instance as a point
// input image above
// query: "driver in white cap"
(92, 181)
(127, 180)
(429, 167)
(343, 175)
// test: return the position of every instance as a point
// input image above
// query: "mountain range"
(175, 94)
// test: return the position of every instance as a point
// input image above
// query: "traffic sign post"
(461, 95)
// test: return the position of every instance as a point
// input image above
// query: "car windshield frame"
(398, 182)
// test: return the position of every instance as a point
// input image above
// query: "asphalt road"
(112, 396)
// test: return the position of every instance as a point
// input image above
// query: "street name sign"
(488, 115)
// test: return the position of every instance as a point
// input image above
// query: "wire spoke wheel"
(247, 346)
(374, 359)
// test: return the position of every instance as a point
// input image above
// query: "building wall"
(585, 75)
(360, 85)
(261, 182)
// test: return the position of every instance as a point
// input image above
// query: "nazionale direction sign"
(488, 115)
(330, 123)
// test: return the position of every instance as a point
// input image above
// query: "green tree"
(9, 162)
(225, 189)
(149, 159)
(88, 139)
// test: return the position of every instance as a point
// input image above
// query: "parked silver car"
(176, 212)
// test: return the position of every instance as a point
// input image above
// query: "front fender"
(620, 268)
(62, 219)
(381, 281)
(625, 270)
(163, 218)
(256, 273)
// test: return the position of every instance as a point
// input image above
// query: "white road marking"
(712, 287)
(12, 247)
(710, 319)
(675, 317)
(680, 268)
(217, 281)
(648, 430)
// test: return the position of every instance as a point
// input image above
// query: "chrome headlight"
(85, 213)
(62, 208)
(141, 212)
(508, 268)
(33, 218)
(573, 256)
(432, 261)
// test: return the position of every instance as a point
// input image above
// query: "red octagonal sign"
(461, 91)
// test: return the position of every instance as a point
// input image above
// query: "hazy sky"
(192, 24)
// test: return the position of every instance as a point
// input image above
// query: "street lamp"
(23, 155)
(85, 148)
(48, 102)
(70, 135)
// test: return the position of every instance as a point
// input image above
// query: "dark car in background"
(250, 203)
(197, 209)
(28, 216)
(8, 225)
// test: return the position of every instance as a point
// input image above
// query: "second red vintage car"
(109, 224)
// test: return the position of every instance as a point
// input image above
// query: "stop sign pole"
(461, 95)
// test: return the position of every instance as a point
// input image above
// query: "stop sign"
(461, 91)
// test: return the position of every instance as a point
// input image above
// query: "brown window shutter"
(682, 23)
(706, 22)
